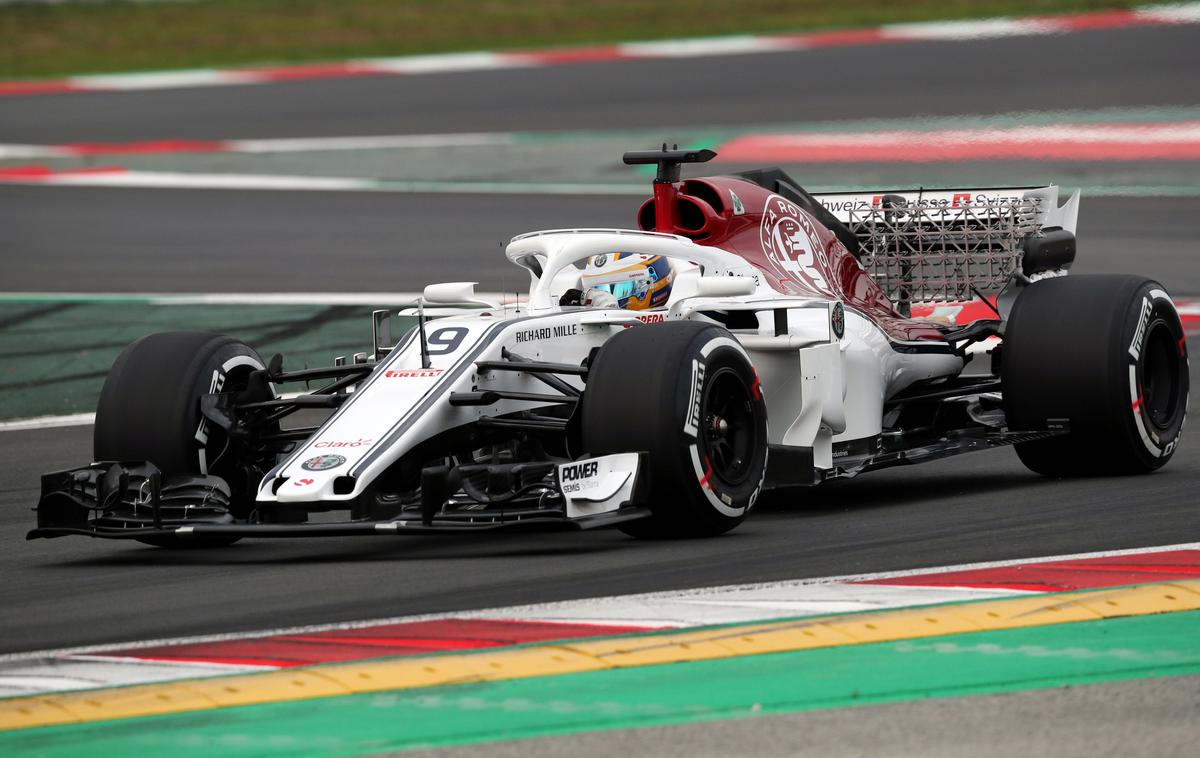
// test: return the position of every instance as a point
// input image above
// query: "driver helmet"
(638, 282)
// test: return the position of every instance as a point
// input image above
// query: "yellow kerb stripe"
(593, 655)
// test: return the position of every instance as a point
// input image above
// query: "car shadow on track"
(832, 498)
(347, 551)
(889, 490)
(892, 492)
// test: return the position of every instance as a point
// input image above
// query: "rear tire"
(149, 410)
(686, 393)
(1108, 354)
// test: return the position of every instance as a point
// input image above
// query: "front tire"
(1106, 353)
(686, 393)
(149, 410)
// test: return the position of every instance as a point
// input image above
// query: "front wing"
(132, 500)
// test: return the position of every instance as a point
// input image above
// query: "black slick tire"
(1108, 355)
(149, 409)
(686, 393)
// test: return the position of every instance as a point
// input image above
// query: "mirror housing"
(450, 292)
(725, 286)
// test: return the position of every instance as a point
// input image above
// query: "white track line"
(1179, 13)
(48, 422)
(92, 672)
(162, 80)
(970, 30)
(182, 180)
(381, 142)
(1152, 132)
(279, 182)
(704, 47)
(12, 151)
(446, 63)
(531, 612)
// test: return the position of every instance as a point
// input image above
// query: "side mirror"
(450, 293)
(725, 286)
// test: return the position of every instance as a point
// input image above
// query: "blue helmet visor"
(619, 290)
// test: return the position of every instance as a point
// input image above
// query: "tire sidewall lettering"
(1155, 307)
(691, 422)
(211, 382)
(714, 352)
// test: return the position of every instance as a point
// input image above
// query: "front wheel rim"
(1159, 376)
(729, 433)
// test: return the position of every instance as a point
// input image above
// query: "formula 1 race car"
(634, 385)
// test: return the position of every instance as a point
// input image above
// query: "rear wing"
(948, 245)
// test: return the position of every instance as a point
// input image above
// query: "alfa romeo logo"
(792, 245)
(837, 320)
(323, 463)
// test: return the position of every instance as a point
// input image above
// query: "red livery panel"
(796, 254)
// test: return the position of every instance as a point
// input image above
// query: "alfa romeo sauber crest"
(837, 320)
(323, 462)
(792, 245)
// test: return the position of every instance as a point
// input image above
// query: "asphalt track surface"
(979, 507)
(67, 239)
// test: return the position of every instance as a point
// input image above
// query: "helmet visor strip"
(621, 284)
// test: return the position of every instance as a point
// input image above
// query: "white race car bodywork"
(820, 388)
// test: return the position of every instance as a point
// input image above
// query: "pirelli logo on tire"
(1135, 347)
(215, 386)
(691, 424)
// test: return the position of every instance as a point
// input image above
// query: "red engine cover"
(796, 253)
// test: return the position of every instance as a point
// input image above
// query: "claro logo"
(337, 443)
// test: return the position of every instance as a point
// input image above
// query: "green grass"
(57, 39)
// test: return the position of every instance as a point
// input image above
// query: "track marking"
(707, 47)
(539, 610)
(941, 31)
(118, 177)
(586, 618)
(1060, 142)
(555, 659)
(971, 30)
(1066, 121)
(48, 422)
(260, 146)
